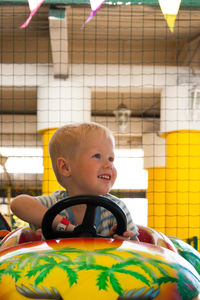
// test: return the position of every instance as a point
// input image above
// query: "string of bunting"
(169, 9)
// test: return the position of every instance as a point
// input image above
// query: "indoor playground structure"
(133, 66)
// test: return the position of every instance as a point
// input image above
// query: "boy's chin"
(99, 193)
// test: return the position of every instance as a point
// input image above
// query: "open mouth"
(105, 177)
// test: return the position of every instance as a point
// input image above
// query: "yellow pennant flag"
(170, 10)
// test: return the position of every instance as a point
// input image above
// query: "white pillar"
(154, 150)
(177, 111)
(61, 102)
(58, 30)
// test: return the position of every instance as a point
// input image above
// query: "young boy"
(82, 157)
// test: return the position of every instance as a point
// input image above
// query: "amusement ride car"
(84, 265)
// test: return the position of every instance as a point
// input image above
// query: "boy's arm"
(32, 211)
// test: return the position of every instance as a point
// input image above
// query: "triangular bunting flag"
(33, 5)
(170, 10)
(95, 5)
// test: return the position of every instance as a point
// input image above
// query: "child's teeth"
(104, 177)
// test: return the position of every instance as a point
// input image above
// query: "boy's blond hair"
(66, 140)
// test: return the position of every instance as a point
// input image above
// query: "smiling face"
(92, 168)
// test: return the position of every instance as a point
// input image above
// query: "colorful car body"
(94, 268)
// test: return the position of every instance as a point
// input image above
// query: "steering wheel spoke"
(89, 217)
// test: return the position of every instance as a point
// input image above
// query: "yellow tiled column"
(181, 128)
(183, 184)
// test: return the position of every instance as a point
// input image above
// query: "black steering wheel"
(87, 228)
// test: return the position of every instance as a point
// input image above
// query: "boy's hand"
(70, 227)
(126, 235)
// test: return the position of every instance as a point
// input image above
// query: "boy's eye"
(111, 159)
(97, 155)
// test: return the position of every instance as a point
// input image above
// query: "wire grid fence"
(125, 55)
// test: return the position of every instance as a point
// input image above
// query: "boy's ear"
(63, 166)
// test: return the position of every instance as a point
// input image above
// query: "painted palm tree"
(39, 265)
(188, 252)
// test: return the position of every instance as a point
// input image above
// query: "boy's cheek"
(114, 175)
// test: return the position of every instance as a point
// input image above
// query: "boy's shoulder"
(59, 195)
(54, 197)
(112, 197)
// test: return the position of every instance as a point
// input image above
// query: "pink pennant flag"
(33, 5)
(95, 5)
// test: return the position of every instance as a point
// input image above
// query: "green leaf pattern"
(40, 264)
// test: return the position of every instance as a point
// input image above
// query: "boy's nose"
(108, 164)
